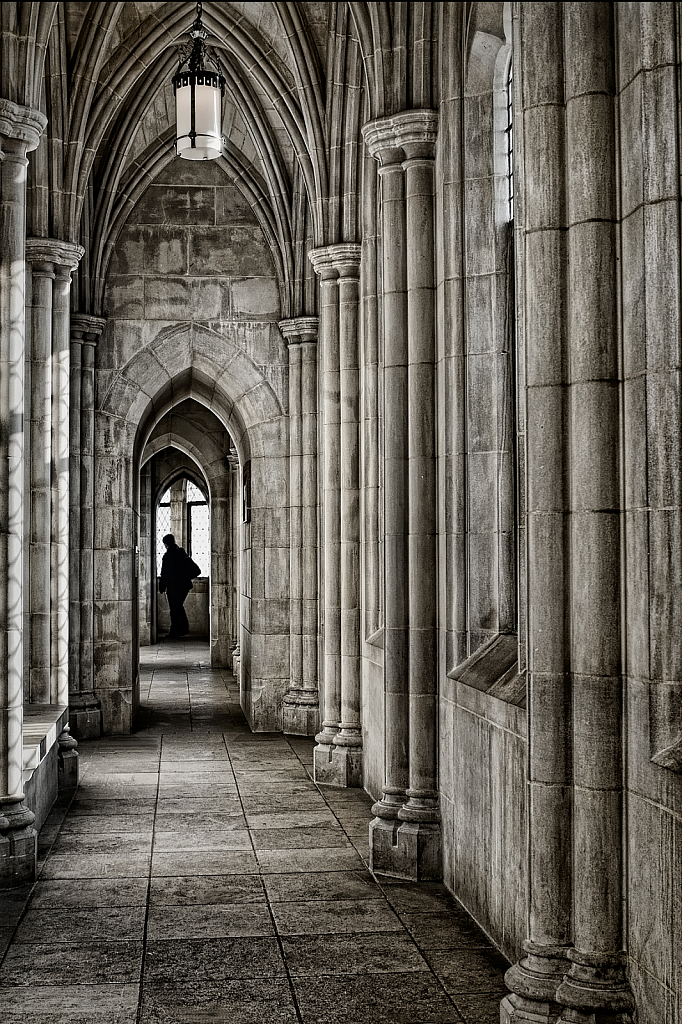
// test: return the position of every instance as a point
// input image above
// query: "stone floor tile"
(77, 1004)
(407, 998)
(189, 890)
(192, 766)
(213, 960)
(480, 1008)
(170, 787)
(242, 1001)
(323, 885)
(447, 929)
(209, 921)
(281, 861)
(85, 824)
(95, 865)
(327, 917)
(371, 953)
(469, 970)
(209, 803)
(259, 803)
(218, 862)
(123, 805)
(110, 842)
(89, 892)
(298, 838)
(320, 817)
(72, 963)
(78, 925)
(190, 824)
(210, 841)
(419, 897)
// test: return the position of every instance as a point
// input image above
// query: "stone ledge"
(43, 723)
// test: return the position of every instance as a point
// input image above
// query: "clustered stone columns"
(86, 714)
(338, 755)
(574, 970)
(300, 711)
(52, 262)
(405, 836)
(20, 130)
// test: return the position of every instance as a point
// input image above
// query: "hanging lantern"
(199, 91)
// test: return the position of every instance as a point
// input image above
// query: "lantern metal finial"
(199, 89)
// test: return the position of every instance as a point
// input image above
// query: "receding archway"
(190, 362)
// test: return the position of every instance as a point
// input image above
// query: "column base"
(534, 982)
(338, 766)
(406, 849)
(300, 714)
(68, 762)
(18, 843)
(517, 1010)
(596, 991)
(85, 717)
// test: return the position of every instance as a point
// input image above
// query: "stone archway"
(189, 360)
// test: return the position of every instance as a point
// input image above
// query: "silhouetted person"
(177, 571)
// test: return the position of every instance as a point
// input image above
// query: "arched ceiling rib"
(120, 118)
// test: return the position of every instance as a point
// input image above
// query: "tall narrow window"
(163, 526)
(198, 528)
(509, 137)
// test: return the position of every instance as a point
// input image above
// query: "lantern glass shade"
(198, 108)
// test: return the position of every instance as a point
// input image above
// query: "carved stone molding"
(53, 250)
(21, 123)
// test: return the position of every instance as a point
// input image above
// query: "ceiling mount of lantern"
(199, 88)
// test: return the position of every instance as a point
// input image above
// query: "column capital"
(22, 123)
(53, 250)
(403, 136)
(299, 328)
(340, 260)
(87, 327)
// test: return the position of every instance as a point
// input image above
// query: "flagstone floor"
(200, 875)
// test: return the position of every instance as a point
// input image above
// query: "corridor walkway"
(199, 874)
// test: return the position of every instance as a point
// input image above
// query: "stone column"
(380, 139)
(74, 511)
(66, 256)
(347, 759)
(232, 459)
(39, 454)
(534, 980)
(300, 711)
(421, 834)
(52, 263)
(309, 508)
(405, 837)
(20, 130)
(86, 715)
(331, 487)
(596, 987)
(339, 762)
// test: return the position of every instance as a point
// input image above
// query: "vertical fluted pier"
(300, 711)
(596, 986)
(380, 140)
(66, 260)
(421, 834)
(39, 454)
(535, 979)
(86, 715)
(20, 130)
(52, 262)
(405, 836)
(338, 756)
